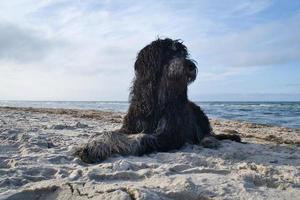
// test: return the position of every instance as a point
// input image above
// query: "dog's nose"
(190, 65)
(192, 69)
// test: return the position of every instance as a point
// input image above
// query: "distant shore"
(36, 159)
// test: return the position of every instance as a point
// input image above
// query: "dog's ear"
(149, 60)
(148, 71)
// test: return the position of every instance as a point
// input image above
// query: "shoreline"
(100, 112)
(36, 161)
(277, 113)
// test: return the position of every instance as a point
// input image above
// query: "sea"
(284, 114)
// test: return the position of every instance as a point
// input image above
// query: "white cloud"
(264, 44)
(23, 45)
(250, 8)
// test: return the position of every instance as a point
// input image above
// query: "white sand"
(36, 162)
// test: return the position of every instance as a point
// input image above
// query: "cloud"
(98, 32)
(22, 45)
(250, 7)
(268, 44)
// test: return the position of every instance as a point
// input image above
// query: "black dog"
(160, 116)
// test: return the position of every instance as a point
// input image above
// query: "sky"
(84, 50)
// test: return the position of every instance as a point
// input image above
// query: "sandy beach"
(37, 162)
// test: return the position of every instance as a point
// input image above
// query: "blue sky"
(85, 50)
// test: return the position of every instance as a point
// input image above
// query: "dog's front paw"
(94, 151)
(210, 142)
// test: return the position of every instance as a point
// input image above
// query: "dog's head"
(163, 71)
(168, 59)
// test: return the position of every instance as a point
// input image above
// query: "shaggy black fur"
(160, 116)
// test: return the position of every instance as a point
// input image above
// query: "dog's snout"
(191, 70)
(191, 66)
